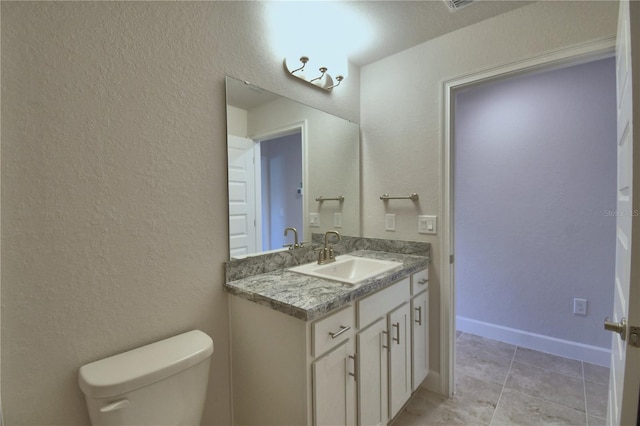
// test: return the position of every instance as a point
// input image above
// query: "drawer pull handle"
(397, 338)
(355, 367)
(342, 330)
(419, 320)
(423, 281)
(386, 339)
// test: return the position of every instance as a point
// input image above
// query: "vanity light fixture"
(324, 81)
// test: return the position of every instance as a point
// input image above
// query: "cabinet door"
(399, 358)
(334, 387)
(420, 338)
(372, 374)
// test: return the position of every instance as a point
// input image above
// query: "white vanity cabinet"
(356, 365)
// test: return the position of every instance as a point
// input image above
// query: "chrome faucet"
(325, 254)
(295, 244)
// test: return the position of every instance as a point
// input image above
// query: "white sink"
(347, 269)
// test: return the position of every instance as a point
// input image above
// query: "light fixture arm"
(323, 71)
(324, 81)
(339, 79)
(304, 60)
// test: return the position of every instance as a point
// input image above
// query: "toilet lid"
(148, 364)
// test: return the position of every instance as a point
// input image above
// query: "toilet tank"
(163, 383)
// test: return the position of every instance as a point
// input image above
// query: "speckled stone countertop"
(308, 298)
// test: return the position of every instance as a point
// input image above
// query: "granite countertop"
(308, 298)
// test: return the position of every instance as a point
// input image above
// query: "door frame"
(288, 129)
(574, 55)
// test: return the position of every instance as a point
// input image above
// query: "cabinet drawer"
(379, 304)
(332, 330)
(419, 281)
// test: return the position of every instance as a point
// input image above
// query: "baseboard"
(432, 382)
(566, 348)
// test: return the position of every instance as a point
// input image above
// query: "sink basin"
(347, 269)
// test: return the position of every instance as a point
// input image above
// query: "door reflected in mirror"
(282, 157)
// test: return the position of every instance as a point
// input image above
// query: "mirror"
(289, 165)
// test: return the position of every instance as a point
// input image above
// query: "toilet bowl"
(163, 383)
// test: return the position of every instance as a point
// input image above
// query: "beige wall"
(114, 215)
(402, 136)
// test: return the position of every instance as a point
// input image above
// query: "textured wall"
(402, 135)
(535, 174)
(114, 216)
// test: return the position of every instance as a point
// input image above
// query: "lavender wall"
(282, 205)
(535, 173)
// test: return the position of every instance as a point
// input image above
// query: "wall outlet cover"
(337, 220)
(427, 224)
(389, 222)
(580, 306)
(314, 220)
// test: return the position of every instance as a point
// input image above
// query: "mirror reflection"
(289, 166)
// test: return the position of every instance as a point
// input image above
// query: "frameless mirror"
(289, 166)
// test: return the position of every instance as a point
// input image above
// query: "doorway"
(581, 54)
(534, 178)
(281, 188)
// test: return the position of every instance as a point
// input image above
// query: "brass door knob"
(617, 327)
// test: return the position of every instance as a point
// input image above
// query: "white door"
(242, 196)
(420, 339)
(373, 371)
(334, 388)
(399, 358)
(624, 380)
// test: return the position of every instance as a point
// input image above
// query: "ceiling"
(399, 24)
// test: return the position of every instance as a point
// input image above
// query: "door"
(420, 338)
(399, 358)
(372, 371)
(624, 379)
(242, 202)
(334, 388)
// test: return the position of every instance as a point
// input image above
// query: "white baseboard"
(566, 348)
(432, 382)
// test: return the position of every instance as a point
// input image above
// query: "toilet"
(163, 383)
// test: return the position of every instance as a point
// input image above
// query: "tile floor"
(502, 384)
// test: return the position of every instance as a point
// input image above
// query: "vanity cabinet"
(353, 366)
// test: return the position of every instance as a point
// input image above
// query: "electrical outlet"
(580, 306)
(389, 222)
(314, 220)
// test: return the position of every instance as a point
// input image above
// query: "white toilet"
(163, 383)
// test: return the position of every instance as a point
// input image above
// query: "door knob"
(618, 327)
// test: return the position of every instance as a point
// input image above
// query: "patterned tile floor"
(502, 384)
